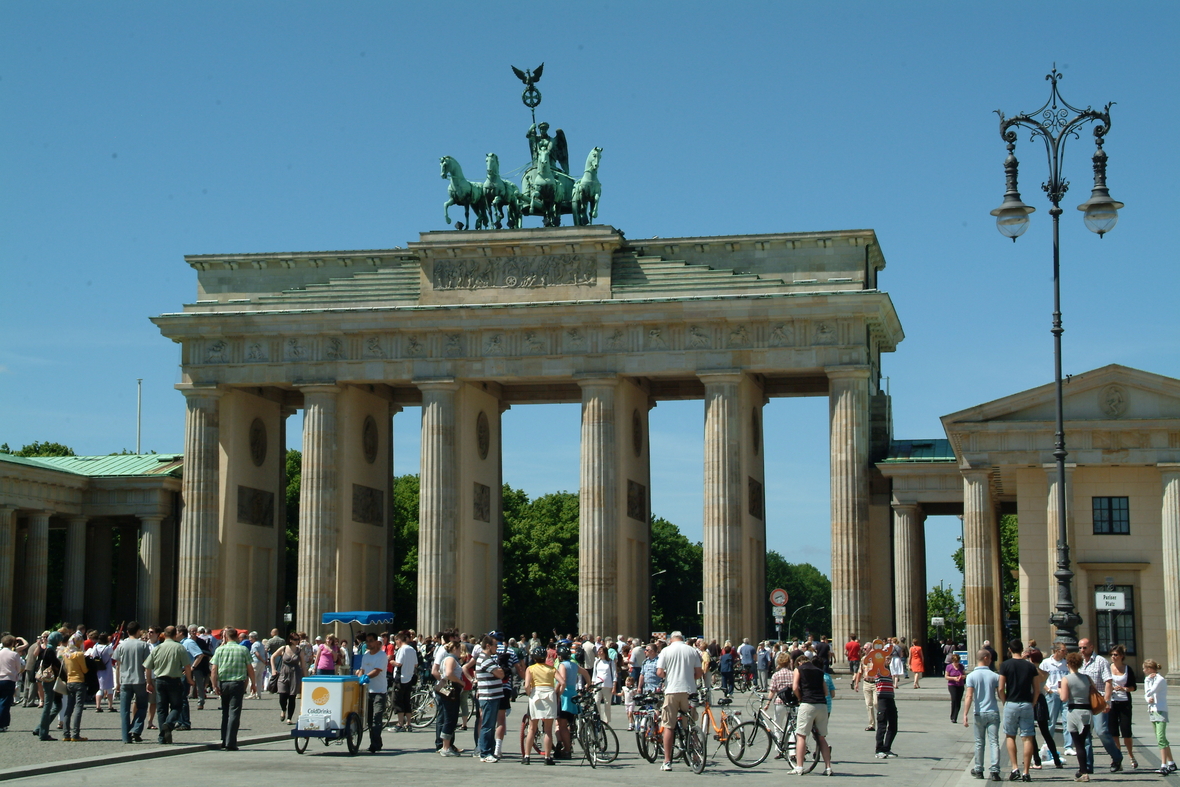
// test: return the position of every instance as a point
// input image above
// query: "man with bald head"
(1098, 669)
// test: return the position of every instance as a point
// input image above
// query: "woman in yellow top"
(74, 668)
(540, 685)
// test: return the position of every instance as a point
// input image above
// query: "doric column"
(391, 556)
(197, 590)
(150, 568)
(1170, 519)
(37, 568)
(598, 524)
(723, 509)
(979, 557)
(438, 508)
(848, 414)
(73, 595)
(7, 567)
(908, 576)
(316, 584)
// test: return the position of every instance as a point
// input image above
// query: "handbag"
(60, 686)
(1097, 701)
(46, 674)
(448, 689)
(272, 683)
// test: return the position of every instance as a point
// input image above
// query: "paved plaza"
(931, 751)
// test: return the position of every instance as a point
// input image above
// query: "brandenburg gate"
(467, 324)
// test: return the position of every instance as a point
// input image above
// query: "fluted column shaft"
(1170, 520)
(7, 567)
(1051, 529)
(150, 568)
(908, 575)
(73, 595)
(316, 584)
(848, 414)
(722, 523)
(438, 509)
(37, 568)
(979, 556)
(598, 548)
(197, 588)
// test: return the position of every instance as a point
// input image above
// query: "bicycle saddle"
(725, 701)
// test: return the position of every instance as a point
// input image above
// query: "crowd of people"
(153, 676)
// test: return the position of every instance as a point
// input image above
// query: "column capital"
(596, 379)
(151, 517)
(78, 518)
(721, 376)
(438, 384)
(977, 474)
(848, 372)
(1168, 469)
(913, 509)
(199, 391)
(322, 387)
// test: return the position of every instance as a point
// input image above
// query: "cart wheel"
(301, 744)
(353, 732)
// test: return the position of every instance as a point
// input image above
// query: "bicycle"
(600, 744)
(722, 728)
(688, 738)
(751, 741)
(649, 733)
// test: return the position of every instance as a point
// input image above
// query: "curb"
(132, 756)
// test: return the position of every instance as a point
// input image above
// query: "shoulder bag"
(1097, 701)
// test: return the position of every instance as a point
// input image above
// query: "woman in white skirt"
(539, 684)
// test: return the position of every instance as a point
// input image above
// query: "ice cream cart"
(334, 707)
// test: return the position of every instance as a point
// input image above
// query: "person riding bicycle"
(680, 668)
(566, 684)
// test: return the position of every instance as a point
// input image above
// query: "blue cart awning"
(363, 618)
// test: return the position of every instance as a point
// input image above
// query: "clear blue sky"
(135, 133)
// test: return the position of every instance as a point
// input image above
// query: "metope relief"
(782, 335)
(334, 350)
(218, 350)
(757, 501)
(368, 505)
(636, 501)
(547, 270)
(481, 503)
(256, 507)
(373, 348)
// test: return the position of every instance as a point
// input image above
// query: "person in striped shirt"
(886, 714)
(489, 680)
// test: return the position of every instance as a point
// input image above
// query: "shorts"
(565, 715)
(1018, 720)
(674, 705)
(1118, 718)
(505, 704)
(401, 698)
(812, 716)
(1161, 733)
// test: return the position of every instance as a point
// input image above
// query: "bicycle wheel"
(425, 711)
(643, 741)
(812, 757)
(353, 733)
(388, 716)
(301, 744)
(695, 753)
(748, 745)
(606, 743)
(754, 703)
(584, 740)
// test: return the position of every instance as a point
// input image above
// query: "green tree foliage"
(942, 602)
(38, 448)
(294, 469)
(405, 550)
(677, 585)
(805, 585)
(540, 562)
(1009, 562)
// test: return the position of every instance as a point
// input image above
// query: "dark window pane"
(1124, 622)
(1111, 516)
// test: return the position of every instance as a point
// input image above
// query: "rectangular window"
(1111, 516)
(1123, 622)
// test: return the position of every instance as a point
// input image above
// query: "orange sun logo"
(320, 695)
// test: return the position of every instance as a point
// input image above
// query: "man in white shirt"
(1098, 669)
(405, 665)
(680, 667)
(1055, 670)
(373, 664)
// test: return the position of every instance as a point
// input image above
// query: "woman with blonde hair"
(779, 693)
(74, 669)
(1155, 691)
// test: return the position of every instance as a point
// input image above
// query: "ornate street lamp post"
(1053, 125)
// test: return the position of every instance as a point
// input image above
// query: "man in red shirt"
(852, 651)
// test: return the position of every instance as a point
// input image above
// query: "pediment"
(1111, 393)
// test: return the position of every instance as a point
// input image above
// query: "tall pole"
(138, 411)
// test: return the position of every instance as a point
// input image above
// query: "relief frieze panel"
(544, 270)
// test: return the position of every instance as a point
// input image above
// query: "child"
(629, 702)
(1155, 691)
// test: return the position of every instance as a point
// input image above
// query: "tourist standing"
(886, 712)
(258, 659)
(649, 681)
(1155, 692)
(1020, 682)
(33, 694)
(811, 691)
(103, 652)
(725, 667)
(982, 703)
(288, 664)
(1122, 685)
(168, 670)
(374, 662)
(540, 683)
(604, 679)
(568, 675)
(489, 677)
(680, 669)
(1098, 669)
(764, 659)
(995, 657)
(780, 692)
(10, 669)
(449, 689)
(1055, 670)
(868, 685)
(748, 654)
(1041, 713)
(956, 681)
(48, 669)
(897, 662)
(130, 656)
(199, 649)
(405, 669)
(917, 662)
(231, 667)
(74, 666)
(852, 652)
(1076, 690)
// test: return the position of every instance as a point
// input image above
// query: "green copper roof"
(920, 451)
(106, 466)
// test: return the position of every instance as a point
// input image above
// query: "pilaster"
(437, 508)
(74, 580)
(150, 570)
(1170, 546)
(316, 584)
(7, 567)
(37, 568)
(197, 588)
(848, 412)
(980, 549)
(597, 510)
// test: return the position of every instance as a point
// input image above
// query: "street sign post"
(779, 612)
(1113, 601)
(937, 622)
(779, 597)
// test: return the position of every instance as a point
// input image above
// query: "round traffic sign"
(779, 597)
